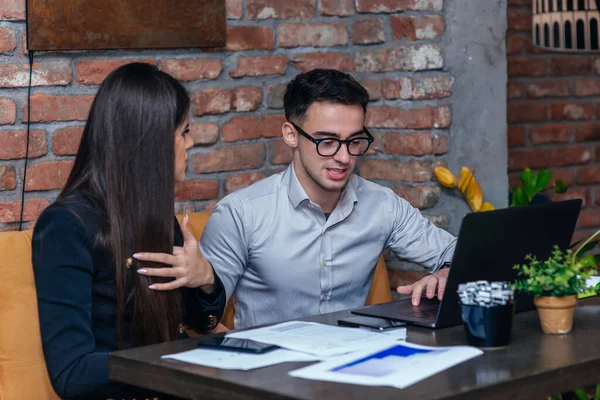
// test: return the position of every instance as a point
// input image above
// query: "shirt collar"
(297, 194)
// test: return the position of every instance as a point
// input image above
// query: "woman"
(107, 273)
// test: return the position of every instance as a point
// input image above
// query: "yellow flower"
(445, 177)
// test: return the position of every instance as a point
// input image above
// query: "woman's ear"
(290, 135)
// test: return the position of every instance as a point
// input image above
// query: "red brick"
(550, 133)
(310, 61)
(336, 8)
(48, 175)
(577, 193)
(420, 197)
(390, 6)
(588, 131)
(515, 90)
(416, 144)
(518, 160)
(518, 20)
(589, 218)
(395, 117)
(290, 9)
(566, 175)
(531, 48)
(12, 10)
(296, 34)
(570, 65)
(517, 3)
(231, 158)
(588, 175)
(569, 155)
(516, 136)
(51, 73)
(197, 190)
(252, 127)
(12, 144)
(239, 181)
(204, 133)
(391, 88)
(8, 41)
(93, 72)
(234, 9)
(414, 171)
(548, 89)
(259, 66)
(246, 99)
(587, 87)
(47, 108)
(192, 69)
(241, 38)
(219, 101)
(442, 116)
(515, 43)
(401, 58)
(440, 144)
(524, 66)
(368, 31)
(597, 195)
(417, 28)
(275, 94)
(419, 88)
(10, 211)
(7, 178)
(527, 112)
(571, 111)
(280, 152)
(8, 111)
(373, 87)
(66, 141)
(597, 151)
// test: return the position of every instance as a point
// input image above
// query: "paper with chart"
(317, 339)
(237, 360)
(398, 365)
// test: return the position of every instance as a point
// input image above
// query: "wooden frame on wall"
(124, 24)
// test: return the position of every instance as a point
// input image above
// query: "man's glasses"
(328, 147)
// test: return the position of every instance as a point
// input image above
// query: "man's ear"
(290, 135)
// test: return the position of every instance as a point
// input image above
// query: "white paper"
(399, 365)
(592, 281)
(317, 339)
(236, 360)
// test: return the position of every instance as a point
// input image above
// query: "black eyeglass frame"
(347, 142)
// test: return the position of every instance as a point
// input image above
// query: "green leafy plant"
(533, 184)
(563, 274)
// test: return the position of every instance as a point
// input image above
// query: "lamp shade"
(566, 25)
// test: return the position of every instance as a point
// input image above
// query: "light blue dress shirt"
(274, 250)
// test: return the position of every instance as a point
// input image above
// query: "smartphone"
(370, 322)
(232, 344)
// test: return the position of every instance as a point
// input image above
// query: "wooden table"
(534, 365)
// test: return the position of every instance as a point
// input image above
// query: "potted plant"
(556, 282)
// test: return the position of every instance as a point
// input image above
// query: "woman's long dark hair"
(125, 168)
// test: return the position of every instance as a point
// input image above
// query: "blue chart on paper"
(381, 363)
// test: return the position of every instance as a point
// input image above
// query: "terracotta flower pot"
(556, 313)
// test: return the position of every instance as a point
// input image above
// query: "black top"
(77, 303)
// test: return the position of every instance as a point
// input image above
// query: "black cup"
(488, 326)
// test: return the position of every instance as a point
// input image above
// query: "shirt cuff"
(212, 299)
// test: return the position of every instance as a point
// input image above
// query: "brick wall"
(394, 47)
(553, 109)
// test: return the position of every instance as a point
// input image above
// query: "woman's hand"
(189, 267)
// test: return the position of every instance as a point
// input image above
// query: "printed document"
(398, 365)
(318, 339)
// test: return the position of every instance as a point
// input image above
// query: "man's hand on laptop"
(429, 284)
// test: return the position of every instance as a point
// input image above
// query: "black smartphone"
(232, 344)
(370, 322)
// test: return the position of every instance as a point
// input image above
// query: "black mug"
(488, 326)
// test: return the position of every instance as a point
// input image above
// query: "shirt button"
(324, 263)
(324, 297)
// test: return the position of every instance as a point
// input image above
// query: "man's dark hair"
(322, 85)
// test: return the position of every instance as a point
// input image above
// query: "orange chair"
(379, 292)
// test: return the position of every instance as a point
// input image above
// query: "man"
(306, 241)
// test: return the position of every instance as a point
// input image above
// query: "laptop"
(489, 244)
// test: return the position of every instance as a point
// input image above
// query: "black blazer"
(77, 306)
